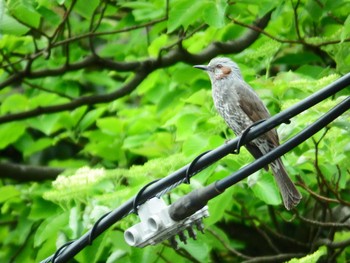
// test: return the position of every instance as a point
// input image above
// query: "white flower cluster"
(82, 177)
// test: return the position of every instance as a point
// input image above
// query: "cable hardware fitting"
(157, 226)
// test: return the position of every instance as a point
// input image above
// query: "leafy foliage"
(106, 91)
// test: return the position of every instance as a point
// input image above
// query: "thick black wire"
(203, 162)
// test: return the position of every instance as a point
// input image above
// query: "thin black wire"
(139, 194)
(53, 259)
(204, 161)
(189, 169)
(93, 229)
(243, 136)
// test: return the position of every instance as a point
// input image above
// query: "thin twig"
(263, 234)
(289, 41)
(322, 224)
(269, 229)
(227, 246)
(35, 86)
(296, 19)
(61, 24)
(93, 28)
(331, 244)
(274, 258)
(330, 14)
(317, 196)
(181, 39)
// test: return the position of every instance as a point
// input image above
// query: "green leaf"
(10, 133)
(8, 192)
(49, 228)
(314, 10)
(72, 119)
(15, 103)
(48, 124)
(199, 250)
(37, 146)
(49, 13)
(346, 29)
(314, 257)
(85, 10)
(157, 45)
(110, 125)
(150, 146)
(194, 145)
(136, 141)
(183, 13)
(90, 118)
(301, 58)
(214, 13)
(41, 209)
(19, 44)
(45, 250)
(9, 25)
(93, 253)
(104, 145)
(143, 10)
(312, 71)
(186, 125)
(24, 11)
(219, 205)
(23, 228)
(264, 188)
(198, 98)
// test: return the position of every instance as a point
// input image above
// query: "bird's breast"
(226, 102)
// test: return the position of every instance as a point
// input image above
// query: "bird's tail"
(290, 195)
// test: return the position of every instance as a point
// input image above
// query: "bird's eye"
(219, 66)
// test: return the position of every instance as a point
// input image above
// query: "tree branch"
(331, 244)
(316, 195)
(323, 224)
(25, 173)
(228, 246)
(274, 258)
(288, 41)
(296, 19)
(76, 103)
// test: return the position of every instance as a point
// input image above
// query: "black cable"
(204, 161)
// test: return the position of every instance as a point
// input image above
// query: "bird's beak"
(202, 67)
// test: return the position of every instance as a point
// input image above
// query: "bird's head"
(221, 68)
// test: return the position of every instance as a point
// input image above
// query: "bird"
(240, 107)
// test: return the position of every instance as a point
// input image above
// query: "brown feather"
(251, 104)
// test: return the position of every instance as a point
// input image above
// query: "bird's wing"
(255, 109)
